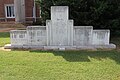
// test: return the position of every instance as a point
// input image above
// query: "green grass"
(4, 38)
(69, 65)
(58, 65)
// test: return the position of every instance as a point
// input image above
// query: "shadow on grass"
(4, 35)
(83, 56)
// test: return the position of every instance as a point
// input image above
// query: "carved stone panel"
(60, 33)
(37, 35)
(18, 37)
(82, 35)
(59, 13)
(101, 37)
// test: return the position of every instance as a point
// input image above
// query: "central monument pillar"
(59, 28)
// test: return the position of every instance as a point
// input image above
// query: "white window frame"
(6, 10)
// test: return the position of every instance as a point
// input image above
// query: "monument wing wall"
(36, 36)
(18, 37)
(83, 35)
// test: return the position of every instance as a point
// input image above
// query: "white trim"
(6, 10)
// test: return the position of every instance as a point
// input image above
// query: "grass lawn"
(58, 65)
(4, 38)
(69, 65)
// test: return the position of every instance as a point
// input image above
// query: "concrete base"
(62, 48)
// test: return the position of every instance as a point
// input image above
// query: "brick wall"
(2, 7)
(29, 4)
(37, 11)
(28, 8)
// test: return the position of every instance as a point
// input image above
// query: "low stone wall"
(82, 35)
(36, 35)
(101, 37)
(18, 37)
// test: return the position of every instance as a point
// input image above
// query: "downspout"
(34, 11)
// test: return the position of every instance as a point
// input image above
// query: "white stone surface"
(36, 35)
(60, 34)
(18, 37)
(82, 35)
(101, 37)
(59, 13)
(59, 28)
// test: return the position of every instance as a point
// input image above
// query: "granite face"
(59, 28)
(36, 36)
(101, 37)
(18, 37)
(82, 35)
(60, 34)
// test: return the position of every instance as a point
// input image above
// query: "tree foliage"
(102, 14)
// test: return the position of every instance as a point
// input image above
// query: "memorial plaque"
(60, 34)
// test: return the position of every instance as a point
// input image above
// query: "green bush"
(102, 14)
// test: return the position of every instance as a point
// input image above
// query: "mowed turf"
(4, 38)
(59, 65)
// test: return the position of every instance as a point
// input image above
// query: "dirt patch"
(6, 27)
(9, 29)
(12, 25)
(2, 48)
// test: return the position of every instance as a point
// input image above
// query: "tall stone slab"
(59, 28)
(19, 11)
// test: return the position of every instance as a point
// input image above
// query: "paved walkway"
(2, 48)
(6, 29)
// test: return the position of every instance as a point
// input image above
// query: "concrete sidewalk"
(8, 29)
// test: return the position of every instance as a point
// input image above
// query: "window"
(9, 11)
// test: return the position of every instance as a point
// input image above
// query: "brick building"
(18, 10)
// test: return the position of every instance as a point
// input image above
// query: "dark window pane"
(10, 11)
(7, 11)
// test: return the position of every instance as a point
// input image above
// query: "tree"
(102, 14)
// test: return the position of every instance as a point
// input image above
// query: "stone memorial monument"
(60, 34)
